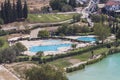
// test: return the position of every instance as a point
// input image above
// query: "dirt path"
(6, 75)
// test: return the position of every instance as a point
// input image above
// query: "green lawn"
(47, 18)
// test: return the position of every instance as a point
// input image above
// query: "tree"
(2, 42)
(66, 8)
(57, 4)
(19, 9)
(76, 18)
(25, 10)
(8, 55)
(72, 3)
(40, 53)
(102, 31)
(74, 46)
(1, 21)
(45, 72)
(14, 12)
(3, 12)
(118, 34)
(63, 30)
(43, 34)
(21, 47)
(45, 9)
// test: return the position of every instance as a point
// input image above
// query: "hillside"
(33, 4)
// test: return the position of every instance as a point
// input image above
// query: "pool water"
(48, 47)
(87, 39)
(107, 69)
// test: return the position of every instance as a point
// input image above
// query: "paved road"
(89, 9)
(6, 75)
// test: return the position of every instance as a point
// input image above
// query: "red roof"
(110, 3)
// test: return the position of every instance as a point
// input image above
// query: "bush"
(21, 47)
(22, 58)
(35, 58)
(72, 69)
(43, 34)
(76, 18)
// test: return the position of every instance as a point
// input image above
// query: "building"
(112, 5)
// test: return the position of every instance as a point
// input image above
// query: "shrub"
(43, 34)
(21, 47)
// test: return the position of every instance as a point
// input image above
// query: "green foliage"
(66, 8)
(25, 10)
(72, 3)
(102, 31)
(118, 34)
(2, 32)
(21, 47)
(72, 29)
(74, 46)
(45, 72)
(39, 54)
(12, 12)
(1, 21)
(72, 69)
(76, 18)
(63, 5)
(43, 34)
(8, 55)
(45, 9)
(22, 58)
(98, 18)
(1, 42)
(19, 9)
(57, 4)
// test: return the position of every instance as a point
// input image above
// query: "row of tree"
(11, 12)
(72, 30)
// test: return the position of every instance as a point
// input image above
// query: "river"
(107, 69)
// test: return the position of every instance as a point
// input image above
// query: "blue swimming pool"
(48, 47)
(87, 39)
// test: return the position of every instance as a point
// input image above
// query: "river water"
(107, 69)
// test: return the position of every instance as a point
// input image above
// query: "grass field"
(47, 18)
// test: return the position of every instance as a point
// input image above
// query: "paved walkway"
(6, 75)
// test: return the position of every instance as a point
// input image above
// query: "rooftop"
(110, 3)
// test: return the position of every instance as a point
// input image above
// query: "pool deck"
(76, 37)
(61, 50)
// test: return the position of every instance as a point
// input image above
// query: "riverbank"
(95, 59)
(106, 69)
